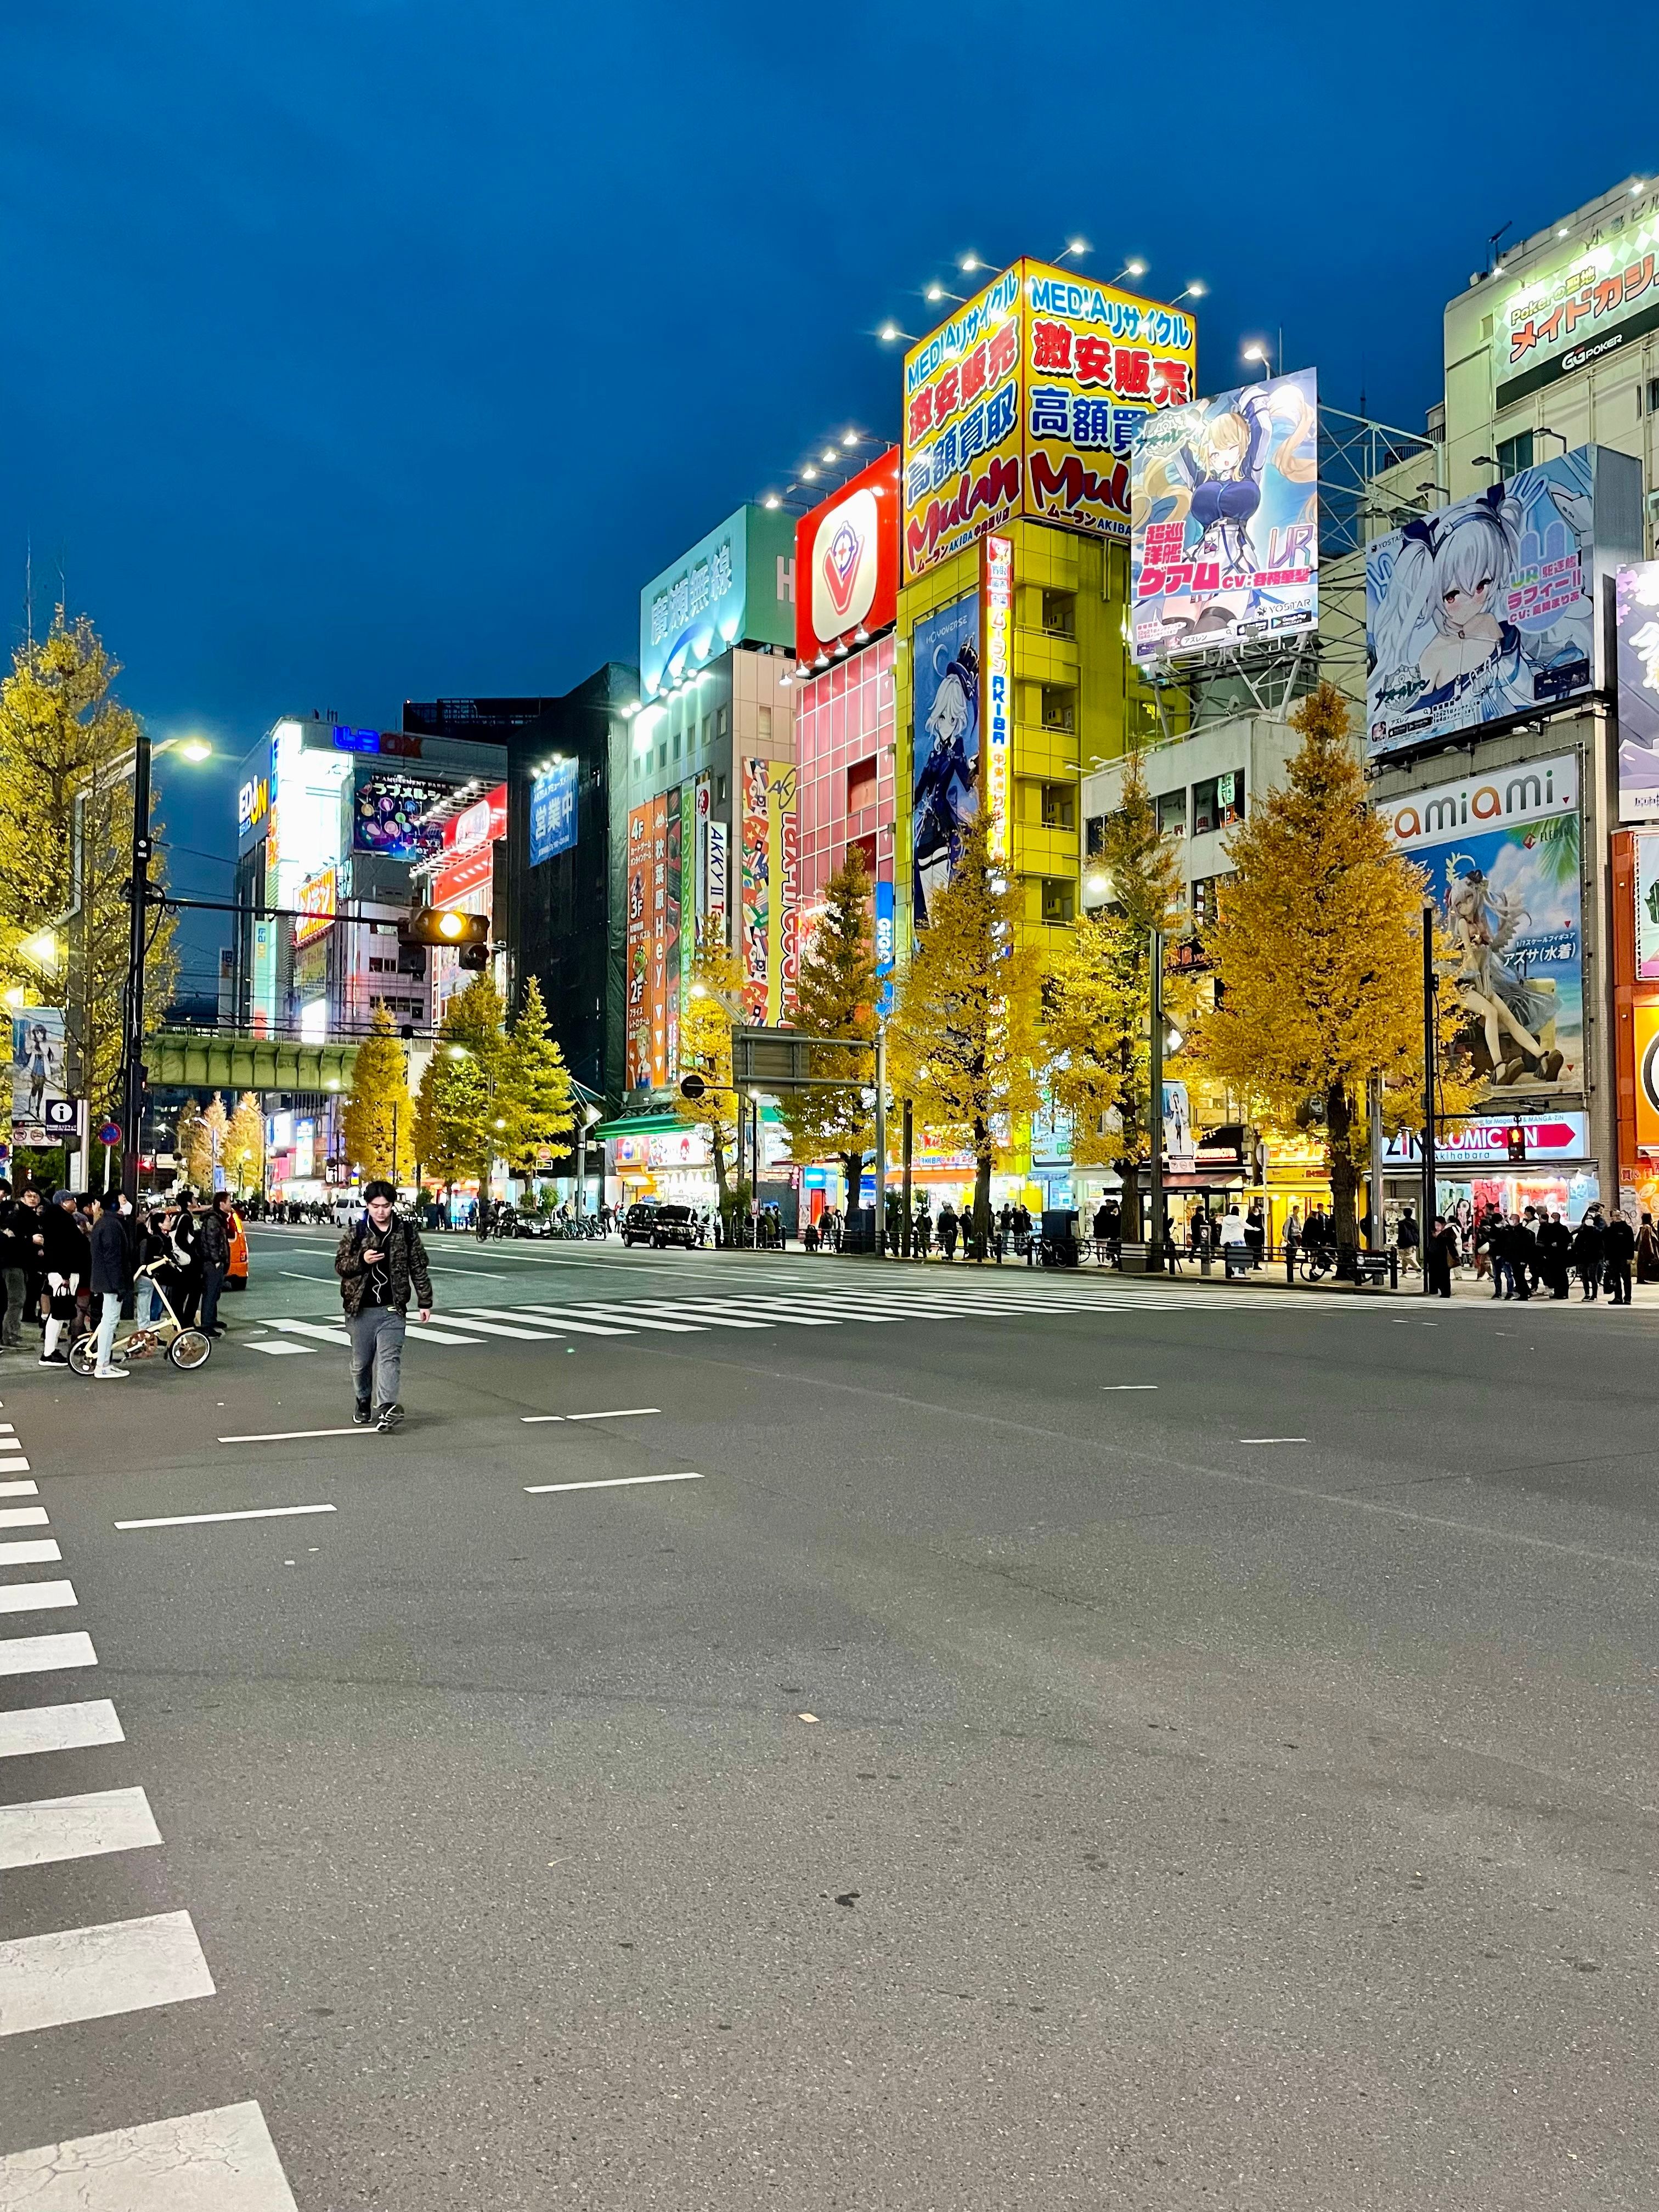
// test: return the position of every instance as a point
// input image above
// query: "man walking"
(1438, 1259)
(377, 1260)
(1619, 1245)
(112, 1279)
(15, 1252)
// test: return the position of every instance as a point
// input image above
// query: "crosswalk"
(221, 2160)
(783, 1302)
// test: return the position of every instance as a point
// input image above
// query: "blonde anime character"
(1517, 1014)
(1214, 481)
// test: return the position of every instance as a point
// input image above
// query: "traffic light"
(1515, 1141)
(447, 925)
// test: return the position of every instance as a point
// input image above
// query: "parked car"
(675, 1225)
(638, 1221)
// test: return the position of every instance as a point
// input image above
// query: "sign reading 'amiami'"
(1524, 792)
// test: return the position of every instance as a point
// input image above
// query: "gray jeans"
(377, 1352)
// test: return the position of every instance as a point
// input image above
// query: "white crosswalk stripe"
(219, 2160)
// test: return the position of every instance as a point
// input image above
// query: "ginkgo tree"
(1317, 954)
(964, 1043)
(706, 1018)
(836, 997)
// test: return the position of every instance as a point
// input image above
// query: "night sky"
(382, 349)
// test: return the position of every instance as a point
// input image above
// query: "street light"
(1136, 268)
(196, 749)
(1255, 352)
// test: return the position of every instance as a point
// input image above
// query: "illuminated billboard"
(553, 811)
(847, 561)
(769, 894)
(1484, 610)
(318, 901)
(470, 839)
(943, 745)
(392, 814)
(1501, 852)
(637, 1030)
(1027, 402)
(1636, 603)
(736, 584)
(1589, 303)
(996, 587)
(1224, 543)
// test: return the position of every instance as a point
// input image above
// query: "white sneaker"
(109, 1374)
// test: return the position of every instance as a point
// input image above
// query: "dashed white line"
(609, 1482)
(35, 1597)
(58, 1728)
(94, 1973)
(616, 1414)
(53, 1829)
(248, 1513)
(291, 1436)
(1273, 1440)
(1128, 1386)
(43, 1654)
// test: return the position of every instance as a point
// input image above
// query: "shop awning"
(638, 1124)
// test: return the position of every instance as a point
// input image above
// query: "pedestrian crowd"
(1533, 1252)
(76, 1265)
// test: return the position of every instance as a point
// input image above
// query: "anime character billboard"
(1224, 533)
(1501, 853)
(1636, 604)
(1483, 609)
(39, 1063)
(944, 745)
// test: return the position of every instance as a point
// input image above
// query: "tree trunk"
(1345, 1180)
(852, 1168)
(719, 1165)
(1131, 1228)
(982, 1231)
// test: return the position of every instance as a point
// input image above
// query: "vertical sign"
(656, 991)
(690, 909)
(754, 930)
(996, 620)
(783, 871)
(702, 794)
(638, 1034)
(672, 933)
(885, 936)
(716, 865)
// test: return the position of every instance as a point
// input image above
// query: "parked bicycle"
(187, 1348)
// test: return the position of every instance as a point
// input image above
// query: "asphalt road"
(986, 1775)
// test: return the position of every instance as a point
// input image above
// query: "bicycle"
(1315, 1260)
(187, 1348)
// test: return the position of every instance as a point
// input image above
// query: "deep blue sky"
(378, 348)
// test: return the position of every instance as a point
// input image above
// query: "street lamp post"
(1155, 1115)
(1426, 1228)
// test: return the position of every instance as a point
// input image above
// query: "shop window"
(719, 790)
(721, 721)
(1060, 613)
(866, 846)
(762, 721)
(1218, 803)
(662, 754)
(1515, 453)
(1094, 836)
(677, 744)
(861, 785)
(1059, 898)
(1202, 896)
(1171, 809)
(1059, 707)
(1653, 395)
(1059, 806)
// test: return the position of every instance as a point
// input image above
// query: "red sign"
(468, 837)
(847, 562)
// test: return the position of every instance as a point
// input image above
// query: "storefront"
(1474, 1170)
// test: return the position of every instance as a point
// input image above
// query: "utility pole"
(881, 1139)
(905, 1232)
(132, 1054)
(1155, 1115)
(1426, 1225)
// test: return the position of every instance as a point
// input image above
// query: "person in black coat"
(1618, 1249)
(1587, 1253)
(1441, 1256)
(64, 1260)
(112, 1279)
(1554, 1248)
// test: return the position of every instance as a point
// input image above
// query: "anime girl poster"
(944, 745)
(39, 1073)
(1224, 543)
(1482, 610)
(1636, 603)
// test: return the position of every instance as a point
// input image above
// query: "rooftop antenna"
(1491, 244)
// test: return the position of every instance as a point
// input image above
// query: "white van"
(346, 1207)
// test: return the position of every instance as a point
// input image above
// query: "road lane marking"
(609, 1482)
(214, 2162)
(557, 1322)
(14, 1466)
(482, 1319)
(58, 1728)
(249, 1513)
(23, 1516)
(1128, 1386)
(1273, 1440)
(33, 1552)
(313, 1328)
(19, 1490)
(631, 1317)
(289, 1435)
(35, 1597)
(53, 1829)
(43, 1655)
(723, 1315)
(618, 1413)
(282, 1349)
(434, 1335)
(298, 1275)
(93, 1974)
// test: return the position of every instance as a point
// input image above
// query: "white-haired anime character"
(1442, 645)
(1517, 1014)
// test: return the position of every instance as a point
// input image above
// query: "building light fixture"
(770, 500)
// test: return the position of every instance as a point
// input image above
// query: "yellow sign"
(318, 902)
(1026, 402)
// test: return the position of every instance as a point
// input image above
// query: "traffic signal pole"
(1426, 1228)
(1154, 1115)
